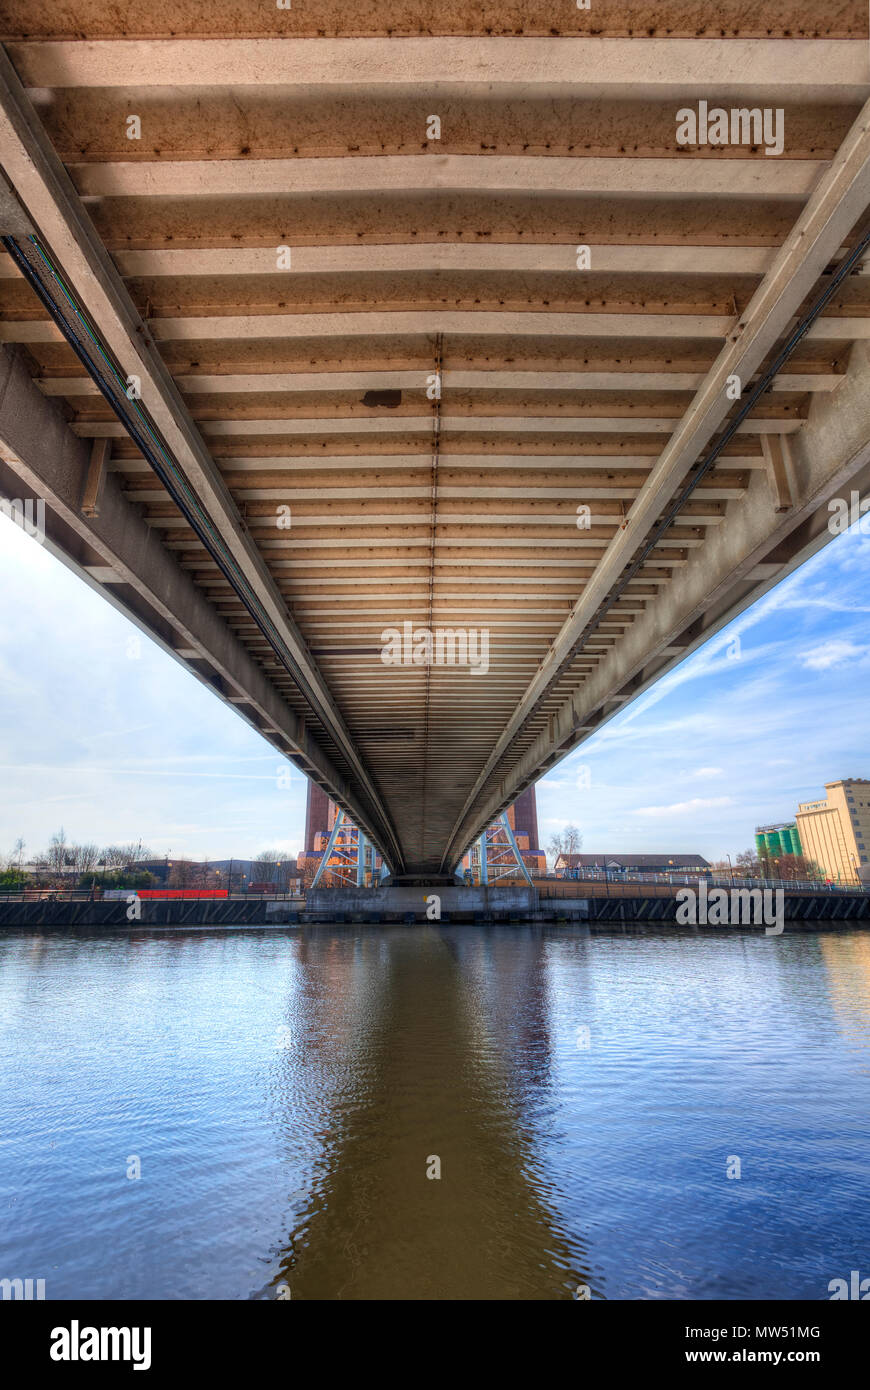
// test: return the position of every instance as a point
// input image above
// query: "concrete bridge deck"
(309, 331)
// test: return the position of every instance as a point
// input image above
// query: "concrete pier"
(450, 901)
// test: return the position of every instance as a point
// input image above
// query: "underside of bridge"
(321, 321)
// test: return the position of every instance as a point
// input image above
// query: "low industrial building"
(671, 865)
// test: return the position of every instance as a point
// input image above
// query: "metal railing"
(611, 878)
(552, 886)
(85, 895)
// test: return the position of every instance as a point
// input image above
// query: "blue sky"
(104, 734)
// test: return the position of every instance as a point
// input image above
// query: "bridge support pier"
(418, 901)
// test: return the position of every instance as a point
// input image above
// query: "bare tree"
(790, 867)
(84, 857)
(556, 844)
(796, 867)
(204, 876)
(118, 856)
(266, 865)
(307, 872)
(567, 841)
(58, 850)
(180, 873)
(56, 857)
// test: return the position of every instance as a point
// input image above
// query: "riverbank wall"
(506, 905)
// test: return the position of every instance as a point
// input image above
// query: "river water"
(287, 1098)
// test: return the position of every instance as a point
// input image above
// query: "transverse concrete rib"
(774, 69)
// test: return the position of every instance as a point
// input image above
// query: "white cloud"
(834, 653)
(681, 808)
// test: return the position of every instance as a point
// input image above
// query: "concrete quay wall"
(511, 904)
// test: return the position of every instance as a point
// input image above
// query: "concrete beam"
(428, 323)
(96, 477)
(449, 424)
(335, 469)
(779, 471)
(311, 260)
(386, 379)
(772, 70)
(491, 173)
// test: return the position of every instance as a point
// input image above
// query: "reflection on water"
(430, 1089)
(288, 1093)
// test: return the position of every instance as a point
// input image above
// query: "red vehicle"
(180, 892)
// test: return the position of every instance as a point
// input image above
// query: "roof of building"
(632, 861)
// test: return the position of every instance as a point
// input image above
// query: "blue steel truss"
(353, 856)
(495, 855)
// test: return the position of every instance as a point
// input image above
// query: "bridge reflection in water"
(445, 1055)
